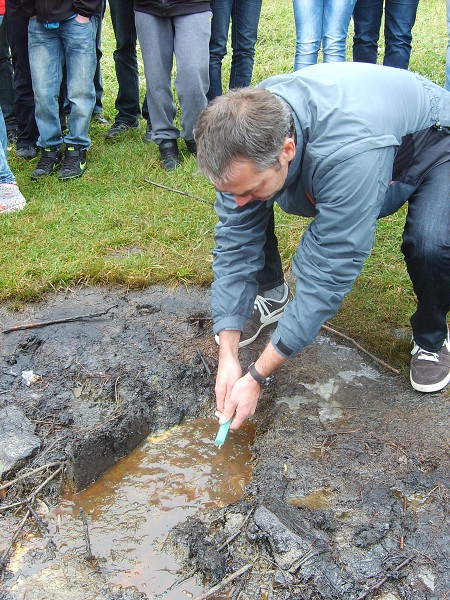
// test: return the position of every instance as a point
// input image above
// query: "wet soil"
(349, 497)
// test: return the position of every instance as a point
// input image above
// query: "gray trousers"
(186, 37)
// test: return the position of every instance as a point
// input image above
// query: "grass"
(110, 227)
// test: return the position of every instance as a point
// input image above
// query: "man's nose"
(243, 200)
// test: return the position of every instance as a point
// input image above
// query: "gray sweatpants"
(187, 37)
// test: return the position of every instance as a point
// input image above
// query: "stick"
(224, 582)
(352, 341)
(87, 539)
(377, 586)
(25, 475)
(56, 321)
(164, 187)
(15, 536)
(205, 364)
(235, 535)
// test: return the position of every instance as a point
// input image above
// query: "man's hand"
(81, 19)
(241, 402)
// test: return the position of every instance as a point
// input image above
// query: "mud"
(349, 497)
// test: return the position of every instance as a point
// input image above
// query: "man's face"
(247, 184)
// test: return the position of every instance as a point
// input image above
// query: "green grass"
(110, 227)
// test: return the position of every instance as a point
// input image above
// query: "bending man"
(345, 143)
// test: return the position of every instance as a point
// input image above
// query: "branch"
(224, 582)
(56, 321)
(164, 187)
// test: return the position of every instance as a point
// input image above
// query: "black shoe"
(99, 118)
(118, 129)
(74, 164)
(168, 152)
(148, 132)
(48, 163)
(11, 135)
(27, 152)
(191, 145)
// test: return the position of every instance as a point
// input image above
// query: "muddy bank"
(350, 486)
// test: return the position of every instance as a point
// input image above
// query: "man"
(345, 143)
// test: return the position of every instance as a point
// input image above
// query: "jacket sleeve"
(332, 251)
(29, 6)
(238, 256)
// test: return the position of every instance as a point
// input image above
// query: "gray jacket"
(351, 120)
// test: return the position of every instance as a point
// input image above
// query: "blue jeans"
(400, 16)
(74, 44)
(447, 62)
(244, 16)
(6, 175)
(125, 61)
(321, 22)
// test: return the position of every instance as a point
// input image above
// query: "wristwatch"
(264, 381)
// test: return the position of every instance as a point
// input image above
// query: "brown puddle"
(132, 507)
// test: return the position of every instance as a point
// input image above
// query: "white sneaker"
(11, 198)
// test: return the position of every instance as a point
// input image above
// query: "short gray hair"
(249, 124)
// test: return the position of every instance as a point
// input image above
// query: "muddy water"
(132, 507)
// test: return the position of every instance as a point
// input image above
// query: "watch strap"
(258, 377)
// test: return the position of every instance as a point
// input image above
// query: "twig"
(352, 341)
(29, 473)
(87, 539)
(377, 586)
(224, 582)
(56, 321)
(164, 187)
(14, 538)
(205, 364)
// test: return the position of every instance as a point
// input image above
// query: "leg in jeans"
(6, 79)
(367, 22)
(400, 16)
(447, 63)
(426, 248)
(79, 42)
(308, 16)
(125, 60)
(336, 19)
(6, 175)
(46, 61)
(98, 79)
(272, 274)
(191, 47)
(244, 32)
(220, 25)
(156, 38)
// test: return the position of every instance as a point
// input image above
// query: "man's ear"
(289, 149)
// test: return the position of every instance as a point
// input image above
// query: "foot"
(191, 145)
(430, 371)
(168, 152)
(74, 164)
(118, 129)
(11, 136)
(48, 163)
(27, 152)
(265, 311)
(11, 198)
(99, 118)
(148, 132)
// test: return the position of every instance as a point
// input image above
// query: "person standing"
(127, 73)
(244, 16)
(399, 19)
(62, 32)
(447, 65)
(181, 28)
(6, 80)
(321, 23)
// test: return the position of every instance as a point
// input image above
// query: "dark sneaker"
(99, 118)
(168, 152)
(11, 198)
(74, 164)
(430, 371)
(48, 163)
(265, 312)
(191, 145)
(27, 152)
(119, 129)
(148, 132)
